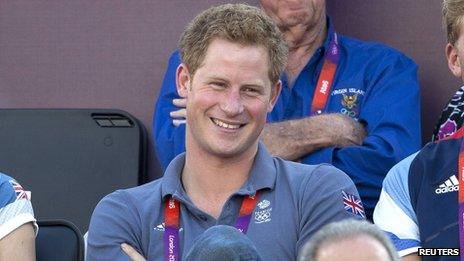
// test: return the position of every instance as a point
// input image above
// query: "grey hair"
(453, 16)
(344, 229)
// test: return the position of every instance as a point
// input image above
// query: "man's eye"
(250, 90)
(218, 84)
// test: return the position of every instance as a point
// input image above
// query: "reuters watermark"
(438, 252)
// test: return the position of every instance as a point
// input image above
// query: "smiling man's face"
(228, 99)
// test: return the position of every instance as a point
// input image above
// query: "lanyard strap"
(171, 224)
(325, 81)
(244, 217)
(171, 230)
(460, 134)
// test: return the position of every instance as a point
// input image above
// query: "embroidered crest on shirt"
(350, 97)
(353, 204)
(263, 214)
(19, 191)
(349, 101)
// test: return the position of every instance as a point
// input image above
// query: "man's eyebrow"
(256, 84)
(216, 78)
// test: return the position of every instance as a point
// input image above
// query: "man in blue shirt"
(232, 56)
(370, 120)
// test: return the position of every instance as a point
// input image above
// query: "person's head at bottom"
(349, 240)
(224, 243)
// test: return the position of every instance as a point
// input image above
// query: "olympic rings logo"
(352, 114)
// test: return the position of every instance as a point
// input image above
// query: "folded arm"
(114, 221)
(294, 139)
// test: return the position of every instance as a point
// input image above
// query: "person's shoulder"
(4, 178)
(372, 49)
(134, 197)
(143, 192)
(7, 192)
(293, 170)
(436, 159)
(439, 152)
(304, 174)
(398, 174)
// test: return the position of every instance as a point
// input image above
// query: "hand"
(353, 133)
(179, 116)
(132, 253)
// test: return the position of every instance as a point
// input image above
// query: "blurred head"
(289, 13)
(453, 15)
(232, 58)
(237, 23)
(349, 240)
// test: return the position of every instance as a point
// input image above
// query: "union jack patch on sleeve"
(20, 192)
(353, 204)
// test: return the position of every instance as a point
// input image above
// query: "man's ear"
(275, 92)
(183, 80)
(453, 60)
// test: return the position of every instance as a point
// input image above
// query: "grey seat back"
(71, 158)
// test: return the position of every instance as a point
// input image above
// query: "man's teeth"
(225, 125)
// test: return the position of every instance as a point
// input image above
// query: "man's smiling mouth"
(225, 125)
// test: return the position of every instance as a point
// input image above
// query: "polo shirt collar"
(171, 181)
(263, 175)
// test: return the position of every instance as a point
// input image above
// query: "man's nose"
(232, 103)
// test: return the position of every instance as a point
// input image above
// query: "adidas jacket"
(418, 205)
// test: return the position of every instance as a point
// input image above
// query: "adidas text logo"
(450, 185)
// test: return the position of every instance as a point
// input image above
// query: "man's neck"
(209, 181)
(302, 41)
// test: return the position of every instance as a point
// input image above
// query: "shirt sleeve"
(169, 139)
(391, 113)
(328, 195)
(394, 213)
(15, 206)
(114, 221)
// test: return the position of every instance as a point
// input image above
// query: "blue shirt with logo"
(418, 204)
(295, 200)
(374, 84)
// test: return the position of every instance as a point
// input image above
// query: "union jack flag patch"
(353, 204)
(20, 192)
